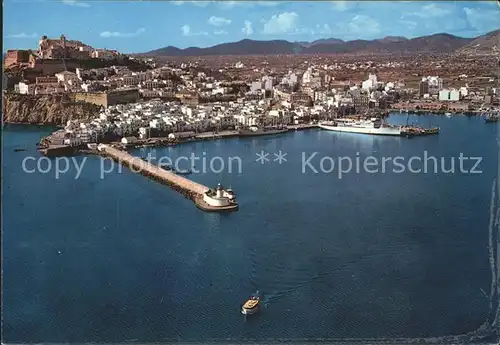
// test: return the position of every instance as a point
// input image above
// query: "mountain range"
(433, 44)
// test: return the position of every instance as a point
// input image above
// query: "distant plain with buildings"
(244, 83)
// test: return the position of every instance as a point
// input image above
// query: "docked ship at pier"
(373, 126)
(490, 118)
(256, 131)
(262, 127)
(376, 126)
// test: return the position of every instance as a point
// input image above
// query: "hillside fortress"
(62, 49)
(57, 49)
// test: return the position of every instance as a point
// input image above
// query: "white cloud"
(108, 34)
(303, 31)
(285, 22)
(220, 32)
(230, 4)
(75, 3)
(433, 10)
(363, 25)
(186, 31)
(22, 35)
(447, 17)
(410, 24)
(269, 3)
(482, 20)
(342, 6)
(247, 29)
(200, 3)
(218, 21)
(196, 3)
(324, 29)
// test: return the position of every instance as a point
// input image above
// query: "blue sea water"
(367, 255)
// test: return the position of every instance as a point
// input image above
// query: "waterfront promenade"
(182, 184)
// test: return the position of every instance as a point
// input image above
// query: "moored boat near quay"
(411, 131)
(374, 126)
(491, 118)
(257, 131)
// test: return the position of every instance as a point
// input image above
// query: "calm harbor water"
(368, 255)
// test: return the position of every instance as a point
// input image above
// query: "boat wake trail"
(284, 280)
(253, 274)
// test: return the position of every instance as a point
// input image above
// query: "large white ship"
(373, 126)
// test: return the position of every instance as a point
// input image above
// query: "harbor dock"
(303, 126)
(57, 150)
(217, 135)
(190, 189)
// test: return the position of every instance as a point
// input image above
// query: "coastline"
(53, 149)
(57, 150)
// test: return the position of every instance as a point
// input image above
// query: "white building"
(449, 95)
(434, 82)
(306, 77)
(444, 95)
(66, 76)
(370, 83)
(102, 54)
(389, 86)
(255, 86)
(128, 140)
(85, 136)
(454, 95)
(73, 141)
(218, 90)
(268, 82)
(367, 84)
(276, 112)
(245, 120)
(464, 91)
(26, 89)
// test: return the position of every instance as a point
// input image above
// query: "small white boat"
(448, 114)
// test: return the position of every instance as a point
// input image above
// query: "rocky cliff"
(46, 109)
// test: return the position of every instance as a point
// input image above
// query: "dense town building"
(203, 94)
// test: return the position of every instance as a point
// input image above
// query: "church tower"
(63, 44)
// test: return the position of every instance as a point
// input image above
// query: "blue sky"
(139, 26)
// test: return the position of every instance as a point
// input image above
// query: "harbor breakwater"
(190, 189)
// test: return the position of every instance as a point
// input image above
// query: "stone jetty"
(188, 188)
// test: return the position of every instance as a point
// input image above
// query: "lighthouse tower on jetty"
(219, 199)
